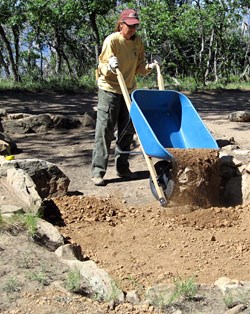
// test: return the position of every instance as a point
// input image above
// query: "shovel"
(151, 168)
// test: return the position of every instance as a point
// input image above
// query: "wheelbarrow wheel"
(163, 169)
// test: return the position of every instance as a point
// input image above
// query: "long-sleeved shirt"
(131, 59)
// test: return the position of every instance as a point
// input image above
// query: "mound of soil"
(142, 246)
(196, 172)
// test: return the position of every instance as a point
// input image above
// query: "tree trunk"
(209, 55)
(215, 63)
(94, 27)
(10, 54)
(15, 31)
(67, 61)
(58, 51)
(4, 65)
(41, 61)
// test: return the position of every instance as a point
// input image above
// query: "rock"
(154, 293)
(238, 309)
(89, 119)
(26, 183)
(234, 286)
(96, 282)
(232, 192)
(65, 122)
(239, 116)
(17, 116)
(245, 187)
(229, 160)
(222, 282)
(10, 210)
(235, 177)
(228, 171)
(69, 252)
(50, 181)
(132, 297)
(3, 112)
(12, 147)
(48, 235)
(31, 124)
(25, 189)
(225, 142)
(4, 148)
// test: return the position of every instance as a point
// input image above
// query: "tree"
(197, 38)
(12, 20)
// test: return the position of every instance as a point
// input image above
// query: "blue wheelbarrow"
(164, 119)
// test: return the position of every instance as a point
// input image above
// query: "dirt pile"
(142, 246)
(197, 176)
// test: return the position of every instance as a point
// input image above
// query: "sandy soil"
(121, 226)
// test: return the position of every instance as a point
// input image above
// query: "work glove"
(113, 63)
(152, 65)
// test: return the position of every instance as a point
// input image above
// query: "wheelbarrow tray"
(167, 119)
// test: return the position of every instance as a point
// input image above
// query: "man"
(123, 49)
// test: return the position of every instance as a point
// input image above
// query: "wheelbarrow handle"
(123, 88)
(159, 77)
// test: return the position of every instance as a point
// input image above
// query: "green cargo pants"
(111, 111)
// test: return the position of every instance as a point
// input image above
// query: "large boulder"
(7, 145)
(48, 235)
(239, 116)
(24, 189)
(27, 124)
(50, 181)
(24, 184)
(235, 176)
(95, 281)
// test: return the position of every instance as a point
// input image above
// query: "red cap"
(130, 17)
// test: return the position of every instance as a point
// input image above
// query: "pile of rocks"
(235, 175)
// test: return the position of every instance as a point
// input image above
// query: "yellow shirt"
(130, 55)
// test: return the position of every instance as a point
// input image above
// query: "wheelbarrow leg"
(159, 189)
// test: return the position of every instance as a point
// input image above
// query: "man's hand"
(152, 65)
(113, 63)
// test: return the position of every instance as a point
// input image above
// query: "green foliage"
(54, 83)
(73, 280)
(30, 223)
(163, 298)
(43, 39)
(99, 7)
(26, 220)
(114, 294)
(159, 300)
(11, 285)
(88, 83)
(39, 277)
(186, 289)
(236, 296)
